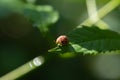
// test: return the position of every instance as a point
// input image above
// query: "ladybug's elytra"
(62, 40)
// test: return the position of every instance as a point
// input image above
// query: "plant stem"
(22, 70)
(102, 12)
(92, 9)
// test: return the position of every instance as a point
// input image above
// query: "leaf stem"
(22, 70)
(102, 12)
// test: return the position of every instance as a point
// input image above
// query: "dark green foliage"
(41, 16)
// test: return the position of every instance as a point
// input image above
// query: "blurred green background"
(20, 42)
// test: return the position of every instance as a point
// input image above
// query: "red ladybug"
(62, 40)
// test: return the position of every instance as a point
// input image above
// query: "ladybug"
(62, 40)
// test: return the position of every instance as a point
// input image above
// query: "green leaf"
(91, 40)
(41, 16)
